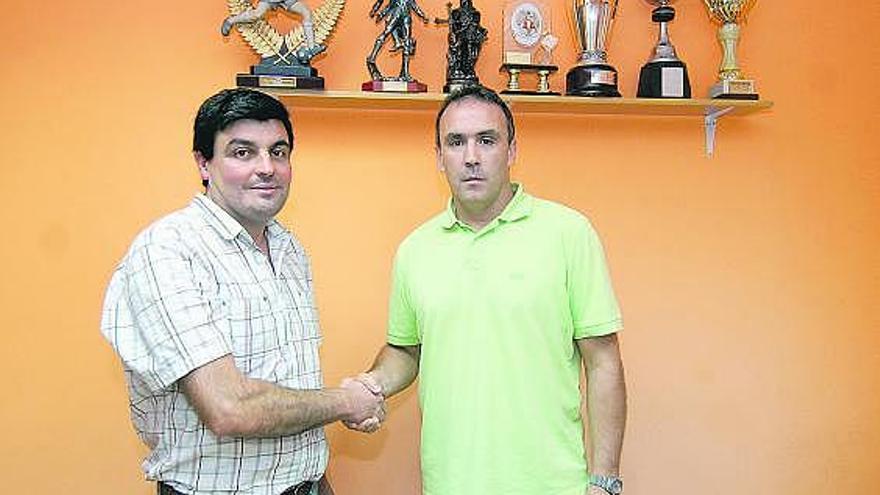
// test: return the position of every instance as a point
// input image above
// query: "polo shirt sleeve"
(157, 319)
(402, 323)
(594, 308)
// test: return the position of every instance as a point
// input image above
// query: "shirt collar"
(520, 206)
(229, 227)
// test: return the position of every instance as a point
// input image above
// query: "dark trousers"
(304, 488)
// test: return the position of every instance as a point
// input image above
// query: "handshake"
(366, 403)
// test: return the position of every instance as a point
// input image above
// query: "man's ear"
(511, 153)
(440, 166)
(202, 164)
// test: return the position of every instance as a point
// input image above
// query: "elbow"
(228, 421)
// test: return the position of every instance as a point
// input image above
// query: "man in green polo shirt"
(495, 303)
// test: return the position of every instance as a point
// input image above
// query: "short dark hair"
(478, 93)
(229, 106)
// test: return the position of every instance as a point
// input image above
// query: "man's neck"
(476, 216)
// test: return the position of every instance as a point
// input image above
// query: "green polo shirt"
(496, 313)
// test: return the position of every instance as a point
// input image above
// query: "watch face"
(610, 484)
(526, 24)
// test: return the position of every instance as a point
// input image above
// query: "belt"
(304, 488)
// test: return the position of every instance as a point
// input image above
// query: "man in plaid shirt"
(213, 316)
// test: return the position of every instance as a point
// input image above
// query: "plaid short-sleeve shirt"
(194, 287)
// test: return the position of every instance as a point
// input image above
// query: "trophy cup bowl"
(731, 84)
(665, 75)
(593, 75)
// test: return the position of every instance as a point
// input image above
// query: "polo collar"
(520, 206)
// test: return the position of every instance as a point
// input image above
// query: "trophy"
(397, 15)
(465, 38)
(285, 59)
(592, 76)
(665, 75)
(731, 84)
(527, 45)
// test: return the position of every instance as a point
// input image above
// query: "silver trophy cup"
(592, 76)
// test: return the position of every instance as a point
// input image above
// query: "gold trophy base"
(734, 89)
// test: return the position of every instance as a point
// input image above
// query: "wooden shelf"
(709, 110)
(522, 103)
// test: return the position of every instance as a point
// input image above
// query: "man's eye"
(280, 152)
(241, 152)
(454, 142)
(487, 140)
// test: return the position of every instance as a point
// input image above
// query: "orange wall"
(749, 281)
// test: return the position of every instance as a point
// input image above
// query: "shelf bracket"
(710, 122)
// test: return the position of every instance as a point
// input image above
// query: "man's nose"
(471, 157)
(265, 166)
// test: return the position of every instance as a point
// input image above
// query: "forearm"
(395, 368)
(606, 402)
(269, 410)
(231, 404)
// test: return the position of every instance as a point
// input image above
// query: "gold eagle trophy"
(285, 58)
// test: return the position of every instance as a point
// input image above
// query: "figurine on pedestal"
(286, 59)
(398, 26)
(466, 37)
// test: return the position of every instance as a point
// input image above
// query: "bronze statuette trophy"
(397, 15)
(665, 75)
(466, 37)
(593, 76)
(285, 59)
(731, 84)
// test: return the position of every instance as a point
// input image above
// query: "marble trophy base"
(394, 86)
(594, 80)
(735, 89)
(664, 79)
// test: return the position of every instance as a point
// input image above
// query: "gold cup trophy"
(731, 83)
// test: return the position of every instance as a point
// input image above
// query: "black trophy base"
(268, 74)
(268, 69)
(453, 84)
(594, 80)
(279, 82)
(664, 79)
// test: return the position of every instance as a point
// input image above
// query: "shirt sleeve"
(157, 318)
(402, 322)
(594, 308)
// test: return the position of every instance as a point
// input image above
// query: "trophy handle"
(578, 22)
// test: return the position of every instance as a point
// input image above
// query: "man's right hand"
(374, 421)
(366, 405)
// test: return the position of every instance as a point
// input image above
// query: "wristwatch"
(613, 485)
